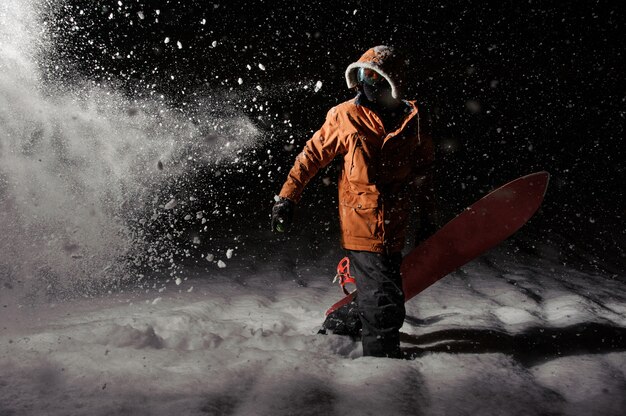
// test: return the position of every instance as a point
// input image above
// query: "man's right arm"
(318, 152)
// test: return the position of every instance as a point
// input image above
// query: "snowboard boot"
(343, 321)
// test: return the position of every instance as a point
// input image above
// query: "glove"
(282, 214)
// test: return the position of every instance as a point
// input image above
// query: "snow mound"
(549, 344)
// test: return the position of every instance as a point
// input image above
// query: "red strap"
(343, 273)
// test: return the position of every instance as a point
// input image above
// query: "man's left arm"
(423, 183)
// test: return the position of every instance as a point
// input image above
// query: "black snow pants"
(379, 308)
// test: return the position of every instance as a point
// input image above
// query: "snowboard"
(478, 228)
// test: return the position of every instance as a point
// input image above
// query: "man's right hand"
(282, 214)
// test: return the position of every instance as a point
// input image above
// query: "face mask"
(380, 94)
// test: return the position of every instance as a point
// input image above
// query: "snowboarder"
(387, 161)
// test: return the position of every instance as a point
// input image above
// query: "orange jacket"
(382, 172)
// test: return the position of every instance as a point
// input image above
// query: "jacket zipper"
(382, 220)
(405, 122)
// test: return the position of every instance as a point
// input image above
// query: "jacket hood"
(386, 61)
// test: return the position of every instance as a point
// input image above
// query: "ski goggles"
(369, 76)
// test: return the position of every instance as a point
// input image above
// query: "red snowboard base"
(478, 228)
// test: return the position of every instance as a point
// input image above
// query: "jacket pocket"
(359, 215)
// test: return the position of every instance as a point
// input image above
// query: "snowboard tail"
(481, 226)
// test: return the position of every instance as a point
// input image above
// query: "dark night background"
(510, 88)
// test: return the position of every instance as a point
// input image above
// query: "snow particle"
(210, 257)
(167, 40)
(172, 204)
(473, 106)
(240, 81)
(262, 67)
(229, 253)
(178, 281)
(318, 86)
(180, 45)
(221, 264)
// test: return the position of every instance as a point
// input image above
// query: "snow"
(506, 334)
(171, 204)
(244, 342)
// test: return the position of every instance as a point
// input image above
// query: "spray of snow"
(76, 168)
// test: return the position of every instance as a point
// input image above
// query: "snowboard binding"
(343, 275)
(345, 320)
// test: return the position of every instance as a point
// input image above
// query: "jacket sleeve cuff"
(290, 192)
